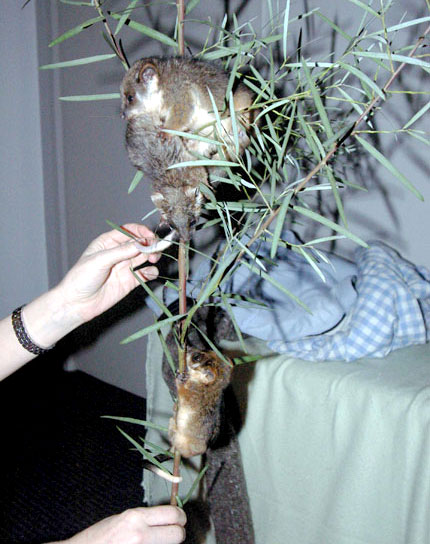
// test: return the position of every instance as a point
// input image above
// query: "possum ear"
(146, 73)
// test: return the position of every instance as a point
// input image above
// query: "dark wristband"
(22, 335)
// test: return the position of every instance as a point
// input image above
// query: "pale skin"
(100, 278)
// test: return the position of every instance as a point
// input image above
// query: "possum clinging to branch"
(196, 417)
(175, 93)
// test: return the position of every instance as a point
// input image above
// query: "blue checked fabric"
(392, 310)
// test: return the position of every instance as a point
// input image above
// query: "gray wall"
(65, 171)
(22, 211)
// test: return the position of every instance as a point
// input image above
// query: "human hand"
(101, 277)
(153, 525)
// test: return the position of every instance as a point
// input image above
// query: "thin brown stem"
(182, 348)
(182, 273)
(180, 4)
(175, 486)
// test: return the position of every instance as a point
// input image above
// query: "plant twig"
(175, 485)
(182, 273)
(336, 146)
(115, 44)
(180, 4)
(365, 114)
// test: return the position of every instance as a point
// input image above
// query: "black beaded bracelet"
(22, 335)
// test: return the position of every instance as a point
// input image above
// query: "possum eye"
(197, 357)
(130, 98)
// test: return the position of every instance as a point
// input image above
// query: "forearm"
(46, 320)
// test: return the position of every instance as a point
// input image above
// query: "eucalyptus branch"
(176, 472)
(116, 45)
(368, 111)
(350, 132)
(182, 273)
(180, 4)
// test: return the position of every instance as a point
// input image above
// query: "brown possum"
(172, 93)
(199, 394)
(226, 495)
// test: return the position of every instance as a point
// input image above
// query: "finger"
(138, 230)
(148, 273)
(164, 515)
(169, 534)
(112, 256)
(114, 237)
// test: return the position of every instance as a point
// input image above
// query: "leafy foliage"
(316, 120)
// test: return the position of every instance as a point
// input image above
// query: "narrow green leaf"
(147, 31)
(365, 7)
(156, 448)
(142, 422)
(76, 30)
(125, 16)
(166, 351)
(191, 4)
(212, 345)
(419, 114)
(247, 359)
(233, 72)
(330, 224)
(77, 62)
(203, 162)
(229, 310)
(135, 181)
(90, 97)
(280, 223)
(234, 123)
(418, 137)
(347, 37)
(194, 486)
(400, 26)
(286, 137)
(120, 229)
(210, 287)
(317, 100)
(252, 256)
(285, 30)
(191, 136)
(389, 166)
(151, 328)
(276, 284)
(152, 295)
(274, 105)
(363, 77)
(144, 452)
(393, 57)
(310, 137)
(336, 195)
(312, 262)
(77, 3)
(245, 207)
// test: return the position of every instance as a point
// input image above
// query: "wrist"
(48, 318)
